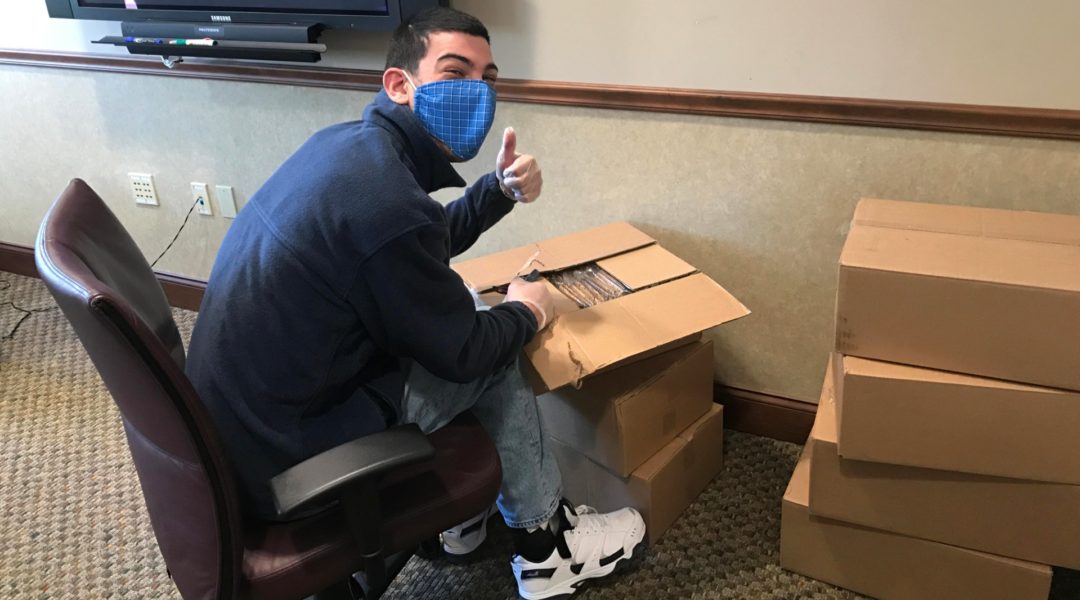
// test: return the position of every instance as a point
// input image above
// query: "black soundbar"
(261, 50)
(296, 34)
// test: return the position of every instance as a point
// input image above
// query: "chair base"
(359, 587)
(348, 589)
(430, 549)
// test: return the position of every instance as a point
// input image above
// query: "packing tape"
(669, 422)
(689, 455)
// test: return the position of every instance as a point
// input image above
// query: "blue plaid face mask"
(457, 112)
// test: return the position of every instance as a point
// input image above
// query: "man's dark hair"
(409, 42)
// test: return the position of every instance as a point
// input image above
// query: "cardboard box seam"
(940, 231)
(865, 372)
(1001, 284)
(869, 204)
(661, 282)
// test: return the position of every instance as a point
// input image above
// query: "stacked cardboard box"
(647, 435)
(946, 417)
(627, 384)
(888, 565)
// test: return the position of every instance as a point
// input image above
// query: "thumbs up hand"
(519, 174)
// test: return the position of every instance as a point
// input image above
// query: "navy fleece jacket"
(335, 271)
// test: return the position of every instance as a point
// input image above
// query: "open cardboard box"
(982, 291)
(1022, 519)
(892, 566)
(963, 423)
(670, 302)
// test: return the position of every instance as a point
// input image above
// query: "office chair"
(394, 489)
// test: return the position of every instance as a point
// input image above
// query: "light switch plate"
(226, 201)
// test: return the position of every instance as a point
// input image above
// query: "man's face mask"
(457, 112)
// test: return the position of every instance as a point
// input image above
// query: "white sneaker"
(467, 537)
(588, 545)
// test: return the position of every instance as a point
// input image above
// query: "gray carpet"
(73, 525)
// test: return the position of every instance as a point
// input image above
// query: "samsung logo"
(221, 18)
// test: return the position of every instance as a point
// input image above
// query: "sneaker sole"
(585, 579)
(468, 555)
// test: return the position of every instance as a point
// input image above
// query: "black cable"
(182, 225)
(27, 313)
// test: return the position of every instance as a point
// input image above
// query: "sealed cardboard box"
(618, 295)
(622, 417)
(962, 423)
(971, 290)
(891, 566)
(1029, 520)
(661, 488)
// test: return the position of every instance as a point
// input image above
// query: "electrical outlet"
(142, 187)
(226, 201)
(200, 195)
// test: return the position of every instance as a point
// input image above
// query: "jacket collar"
(429, 165)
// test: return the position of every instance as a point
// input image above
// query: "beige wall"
(972, 51)
(760, 206)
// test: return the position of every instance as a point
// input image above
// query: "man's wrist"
(538, 314)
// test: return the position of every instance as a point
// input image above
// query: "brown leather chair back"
(108, 292)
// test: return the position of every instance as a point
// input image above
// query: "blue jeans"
(505, 405)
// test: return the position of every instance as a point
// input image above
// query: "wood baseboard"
(744, 410)
(765, 414)
(17, 259)
(182, 292)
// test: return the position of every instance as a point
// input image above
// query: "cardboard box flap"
(647, 266)
(968, 220)
(557, 358)
(825, 423)
(798, 488)
(617, 387)
(555, 254)
(587, 340)
(993, 260)
(861, 367)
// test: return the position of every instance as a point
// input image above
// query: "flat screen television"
(245, 29)
(361, 15)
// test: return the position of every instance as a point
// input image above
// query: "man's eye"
(490, 78)
(456, 72)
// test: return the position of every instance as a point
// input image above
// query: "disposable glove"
(536, 296)
(519, 174)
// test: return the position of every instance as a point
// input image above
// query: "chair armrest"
(329, 475)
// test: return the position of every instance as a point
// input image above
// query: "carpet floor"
(73, 524)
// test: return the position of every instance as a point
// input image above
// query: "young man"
(332, 311)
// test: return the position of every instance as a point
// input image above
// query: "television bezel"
(328, 20)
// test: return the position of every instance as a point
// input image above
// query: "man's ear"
(396, 86)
